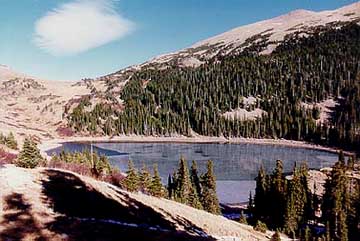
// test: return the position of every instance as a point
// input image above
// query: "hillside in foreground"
(50, 204)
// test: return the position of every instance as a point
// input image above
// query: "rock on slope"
(49, 204)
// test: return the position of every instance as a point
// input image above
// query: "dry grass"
(6, 157)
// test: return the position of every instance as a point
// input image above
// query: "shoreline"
(46, 145)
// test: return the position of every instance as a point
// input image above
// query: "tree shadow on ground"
(18, 222)
(86, 213)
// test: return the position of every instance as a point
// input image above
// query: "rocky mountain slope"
(50, 204)
(32, 106)
(268, 32)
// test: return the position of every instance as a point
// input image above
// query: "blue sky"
(37, 36)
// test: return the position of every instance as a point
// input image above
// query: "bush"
(6, 158)
(261, 227)
(29, 156)
(276, 236)
(115, 178)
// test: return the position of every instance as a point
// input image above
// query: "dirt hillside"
(50, 204)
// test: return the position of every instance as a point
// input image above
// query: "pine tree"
(29, 156)
(11, 142)
(194, 177)
(308, 199)
(183, 184)
(101, 165)
(336, 201)
(342, 233)
(261, 192)
(328, 231)
(351, 163)
(296, 202)
(307, 234)
(277, 196)
(194, 200)
(209, 199)
(170, 187)
(145, 179)
(341, 158)
(174, 183)
(131, 180)
(156, 188)
(243, 219)
(251, 206)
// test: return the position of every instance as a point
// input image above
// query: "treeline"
(143, 181)
(184, 185)
(288, 204)
(84, 162)
(301, 70)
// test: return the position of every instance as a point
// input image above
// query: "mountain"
(32, 106)
(271, 32)
(52, 204)
(294, 77)
(46, 108)
(7, 73)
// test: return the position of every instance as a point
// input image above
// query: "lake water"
(235, 165)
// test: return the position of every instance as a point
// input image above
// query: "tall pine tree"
(261, 192)
(131, 180)
(209, 198)
(156, 187)
(29, 156)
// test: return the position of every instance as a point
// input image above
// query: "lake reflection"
(235, 165)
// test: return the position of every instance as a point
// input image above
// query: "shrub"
(115, 178)
(79, 168)
(276, 236)
(6, 158)
(260, 226)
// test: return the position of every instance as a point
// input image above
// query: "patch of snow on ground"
(249, 100)
(326, 109)
(243, 114)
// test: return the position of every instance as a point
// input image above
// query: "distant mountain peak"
(272, 30)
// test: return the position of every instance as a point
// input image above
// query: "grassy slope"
(48, 204)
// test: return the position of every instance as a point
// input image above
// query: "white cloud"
(80, 25)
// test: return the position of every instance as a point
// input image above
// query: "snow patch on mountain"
(272, 30)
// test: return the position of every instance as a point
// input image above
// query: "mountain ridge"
(293, 21)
